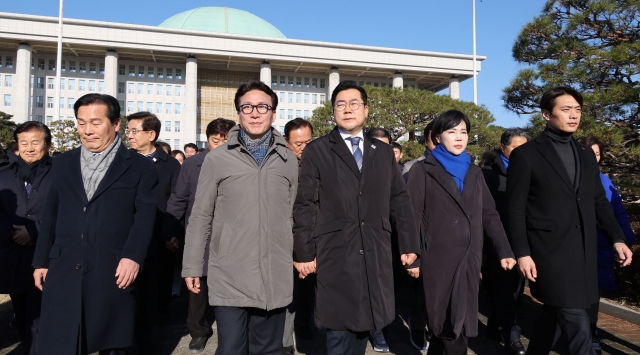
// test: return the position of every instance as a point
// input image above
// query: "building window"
(130, 88)
(178, 73)
(8, 63)
(169, 73)
(61, 83)
(375, 84)
(140, 106)
(314, 99)
(72, 66)
(306, 82)
(92, 85)
(167, 126)
(149, 89)
(281, 115)
(120, 88)
(92, 67)
(70, 102)
(298, 113)
(132, 70)
(160, 72)
(72, 84)
(274, 80)
(298, 81)
(121, 70)
(52, 64)
(322, 96)
(50, 83)
(49, 102)
(101, 68)
(178, 90)
(306, 98)
(82, 85)
(61, 102)
(178, 109)
(176, 126)
(384, 85)
(63, 65)
(306, 114)
(290, 80)
(298, 97)
(150, 72)
(40, 64)
(8, 81)
(282, 81)
(39, 101)
(140, 88)
(290, 97)
(150, 107)
(159, 89)
(7, 99)
(314, 82)
(169, 90)
(176, 144)
(130, 106)
(49, 120)
(140, 70)
(289, 114)
(100, 86)
(321, 83)
(39, 118)
(167, 108)
(281, 96)
(83, 67)
(40, 83)
(158, 107)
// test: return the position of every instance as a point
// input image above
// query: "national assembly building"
(186, 70)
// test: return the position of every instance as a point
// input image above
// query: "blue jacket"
(606, 254)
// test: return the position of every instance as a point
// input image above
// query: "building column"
(21, 86)
(454, 88)
(111, 73)
(398, 80)
(265, 73)
(334, 80)
(190, 116)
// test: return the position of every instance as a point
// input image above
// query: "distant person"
(350, 190)
(397, 152)
(190, 149)
(178, 212)
(380, 134)
(606, 253)
(556, 202)
(505, 287)
(165, 146)
(179, 155)
(429, 146)
(95, 232)
(455, 211)
(298, 133)
(24, 185)
(243, 205)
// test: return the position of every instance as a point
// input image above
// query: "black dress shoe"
(303, 332)
(287, 350)
(197, 344)
(516, 348)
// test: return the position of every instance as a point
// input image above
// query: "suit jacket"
(342, 218)
(81, 243)
(17, 209)
(555, 223)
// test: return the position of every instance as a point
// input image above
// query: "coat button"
(27, 215)
(78, 266)
(362, 223)
(360, 193)
(577, 225)
(84, 209)
(361, 252)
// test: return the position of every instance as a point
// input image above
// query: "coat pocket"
(56, 249)
(386, 225)
(328, 227)
(541, 224)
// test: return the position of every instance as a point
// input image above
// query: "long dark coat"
(452, 229)
(16, 209)
(556, 224)
(342, 218)
(81, 243)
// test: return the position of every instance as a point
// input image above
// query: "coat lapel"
(545, 147)
(340, 148)
(444, 179)
(370, 152)
(119, 165)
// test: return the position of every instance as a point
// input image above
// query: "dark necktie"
(27, 187)
(355, 149)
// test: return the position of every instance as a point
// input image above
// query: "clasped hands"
(307, 268)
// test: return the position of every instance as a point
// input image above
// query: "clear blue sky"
(442, 26)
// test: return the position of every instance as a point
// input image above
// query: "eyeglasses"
(133, 131)
(354, 105)
(262, 108)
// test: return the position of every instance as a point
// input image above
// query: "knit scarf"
(27, 172)
(455, 165)
(94, 166)
(259, 147)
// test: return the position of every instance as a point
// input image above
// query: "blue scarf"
(259, 147)
(456, 165)
(505, 161)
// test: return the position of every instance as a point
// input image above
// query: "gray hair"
(508, 135)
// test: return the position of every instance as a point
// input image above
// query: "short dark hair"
(447, 121)
(396, 145)
(175, 153)
(33, 126)
(377, 132)
(164, 145)
(113, 107)
(346, 85)
(589, 141)
(548, 100)
(428, 128)
(220, 126)
(294, 124)
(255, 85)
(190, 145)
(508, 135)
(150, 122)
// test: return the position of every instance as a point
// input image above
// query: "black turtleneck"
(566, 149)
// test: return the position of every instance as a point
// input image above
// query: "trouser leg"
(419, 311)
(544, 332)
(19, 302)
(290, 313)
(165, 279)
(232, 330)
(147, 301)
(265, 331)
(574, 325)
(344, 342)
(440, 346)
(196, 315)
(27, 310)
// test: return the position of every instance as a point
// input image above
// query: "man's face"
(596, 150)
(31, 146)
(140, 141)
(349, 120)
(298, 139)
(565, 115)
(94, 127)
(256, 124)
(216, 140)
(189, 151)
(515, 143)
(398, 154)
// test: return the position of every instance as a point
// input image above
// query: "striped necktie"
(357, 153)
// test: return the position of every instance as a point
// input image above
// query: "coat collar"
(160, 154)
(545, 147)
(444, 179)
(340, 148)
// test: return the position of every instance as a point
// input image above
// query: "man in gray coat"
(244, 201)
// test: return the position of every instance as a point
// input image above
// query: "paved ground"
(170, 336)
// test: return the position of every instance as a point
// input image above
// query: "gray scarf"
(94, 166)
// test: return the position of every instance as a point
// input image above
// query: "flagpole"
(58, 63)
(475, 71)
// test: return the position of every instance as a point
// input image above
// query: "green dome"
(224, 20)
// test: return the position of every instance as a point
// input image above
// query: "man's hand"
(38, 276)
(408, 259)
(304, 269)
(508, 264)
(126, 272)
(414, 272)
(527, 268)
(173, 245)
(193, 284)
(21, 236)
(624, 253)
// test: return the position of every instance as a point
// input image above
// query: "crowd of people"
(280, 233)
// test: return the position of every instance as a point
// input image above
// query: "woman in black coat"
(454, 210)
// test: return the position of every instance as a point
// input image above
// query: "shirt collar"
(345, 135)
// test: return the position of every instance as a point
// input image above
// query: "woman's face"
(179, 158)
(596, 149)
(454, 140)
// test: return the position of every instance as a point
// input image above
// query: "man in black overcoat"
(349, 190)
(24, 185)
(556, 201)
(94, 237)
